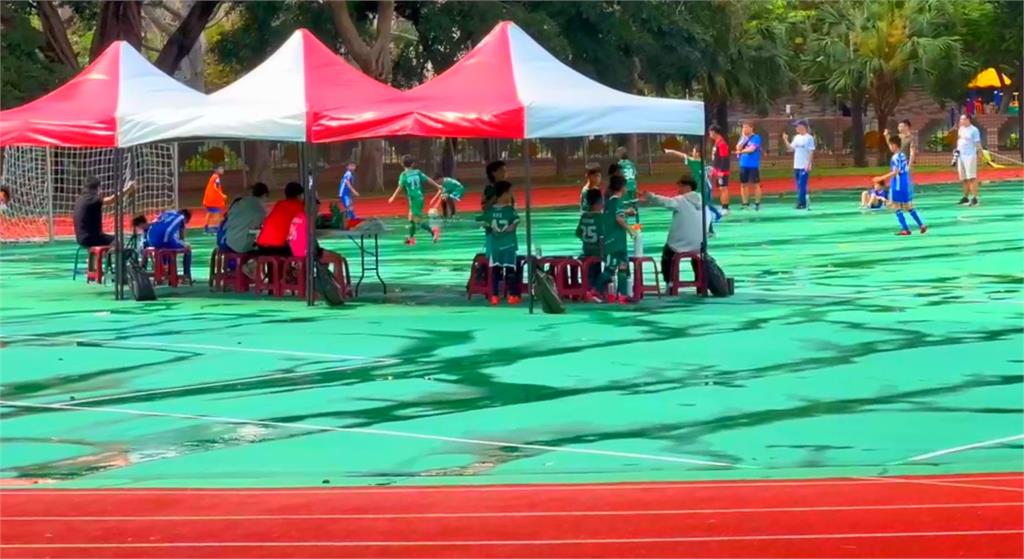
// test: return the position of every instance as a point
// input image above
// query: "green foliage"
(25, 73)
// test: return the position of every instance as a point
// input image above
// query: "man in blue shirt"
(749, 148)
(346, 189)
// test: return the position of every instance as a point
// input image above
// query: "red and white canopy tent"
(303, 91)
(508, 86)
(118, 100)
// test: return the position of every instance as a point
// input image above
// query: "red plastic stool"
(94, 265)
(699, 281)
(568, 274)
(293, 276)
(268, 275)
(165, 265)
(479, 270)
(227, 271)
(639, 287)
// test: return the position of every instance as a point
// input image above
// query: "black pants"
(513, 281)
(667, 254)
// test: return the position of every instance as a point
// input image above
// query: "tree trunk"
(633, 145)
(374, 60)
(883, 145)
(371, 164)
(722, 116)
(119, 21)
(860, 158)
(560, 152)
(184, 38)
(257, 157)
(58, 46)
(448, 157)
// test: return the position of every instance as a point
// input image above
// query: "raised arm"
(662, 201)
(128, 189)
(677, 154)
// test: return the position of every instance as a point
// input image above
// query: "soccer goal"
(42, 184)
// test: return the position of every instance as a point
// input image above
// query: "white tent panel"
(561, 102)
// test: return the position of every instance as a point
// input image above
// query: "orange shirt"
(275, 228)
(214, 197)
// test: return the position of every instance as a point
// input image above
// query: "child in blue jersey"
(346, 188)
(874, 198)
(901, 191)
(168, 231)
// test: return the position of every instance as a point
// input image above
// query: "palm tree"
(899, 44)
(831, 67)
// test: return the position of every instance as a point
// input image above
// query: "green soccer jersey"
(629, 173)
(453, 188)
(500, 220)
(589, 231)
(614, 234)
(411, 181)
(697, 170)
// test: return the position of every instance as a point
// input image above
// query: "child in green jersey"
(411, 181)
(628, 168)
(450, 193)
(590, 231)
(616, 255)
(502, 220)
(592, 181)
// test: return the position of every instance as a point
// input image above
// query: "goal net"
(42, 184)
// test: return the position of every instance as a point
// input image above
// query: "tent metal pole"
(177, 176)
(49, 193)
(245, 170)
(118, 225)
(529, 224)
(650, 155)
(310, 203)
(705, 192)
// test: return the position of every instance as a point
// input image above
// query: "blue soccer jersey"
(899, 186)
(345, 185)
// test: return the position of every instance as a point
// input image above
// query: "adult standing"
(968, 143)
(684, 234)
(88, 214)
(802, 147)
(908, 143)
(749, 148)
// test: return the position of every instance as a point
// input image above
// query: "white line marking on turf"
(437, 543)
(368, 431)
(385, 360)
(965, 447)
(11, 492)
(952, 484)
(430, 515)
(245, 380)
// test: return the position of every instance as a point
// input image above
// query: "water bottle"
(638, 242)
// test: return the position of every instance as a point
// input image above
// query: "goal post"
(44, 183)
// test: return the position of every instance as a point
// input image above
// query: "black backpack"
(328, 287)
(137, 278)
(719, 284)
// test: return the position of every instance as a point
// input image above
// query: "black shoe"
(745, 206)
(757, 206)
(964, 201)
(974, 202)
(801, 206)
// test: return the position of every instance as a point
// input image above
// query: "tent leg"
(306, 180)
(49, 194)
(118, 225)
(704, 186)
(530, 268)
(177, 178)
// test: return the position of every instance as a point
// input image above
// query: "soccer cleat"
(624, 300)
(437, 233)
(593, 297)
(745, 206)
(725, 211)
(410, 241)
(494, 300)
(757, 206)
(514, 299)
(974, 202)
(903, 233)
(964, 201)
(924, 229)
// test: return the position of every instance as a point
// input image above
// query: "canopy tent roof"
(508, 86)
(287, 95)
(988, 77)
(118, 100)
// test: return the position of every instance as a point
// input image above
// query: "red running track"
(937, 516)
